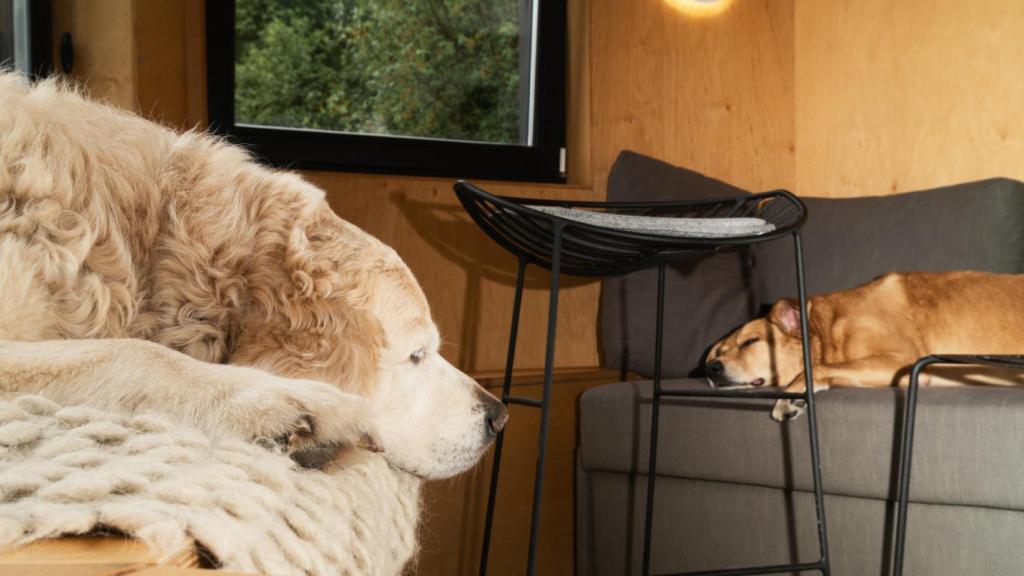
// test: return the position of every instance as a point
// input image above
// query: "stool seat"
(611, 238)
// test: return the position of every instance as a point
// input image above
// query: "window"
(464, 88)
(25, 36)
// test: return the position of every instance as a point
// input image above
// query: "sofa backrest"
(849, 241)
(977, 225)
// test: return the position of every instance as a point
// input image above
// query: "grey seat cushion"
(967, 449)
(664, 226)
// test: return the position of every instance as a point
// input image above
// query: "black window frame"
(543, 161)
(40, 32)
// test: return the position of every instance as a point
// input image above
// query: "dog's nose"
(495, 414)
(715, 368)
(497, 417)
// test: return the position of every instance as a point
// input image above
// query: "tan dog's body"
(143, 269)
(871, 335)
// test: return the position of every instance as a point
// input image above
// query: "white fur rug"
(69, 470)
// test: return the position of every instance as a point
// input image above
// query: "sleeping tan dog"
(143, 269)
(872, 334)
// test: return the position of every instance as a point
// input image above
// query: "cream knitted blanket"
(69, 470)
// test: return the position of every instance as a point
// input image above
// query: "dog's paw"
(302, 414)
(788, 409)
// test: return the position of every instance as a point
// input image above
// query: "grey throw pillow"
(706, 296)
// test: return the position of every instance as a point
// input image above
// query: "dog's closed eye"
(749, 341)
(416, 356)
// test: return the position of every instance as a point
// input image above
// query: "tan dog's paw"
(788, 409)
(302, 414)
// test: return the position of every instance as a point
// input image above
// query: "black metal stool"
(909, 417)
(569, 246)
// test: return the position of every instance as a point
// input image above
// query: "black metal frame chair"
(909, 418)
(569, 247)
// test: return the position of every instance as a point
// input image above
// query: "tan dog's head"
(351, 313)
(763, 352)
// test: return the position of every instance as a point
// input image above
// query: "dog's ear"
(314, 274)
(313, 322)
(786, 315)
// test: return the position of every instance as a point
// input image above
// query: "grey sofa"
(734, 486)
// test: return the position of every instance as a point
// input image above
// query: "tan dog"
(872, 334)
(143, 269)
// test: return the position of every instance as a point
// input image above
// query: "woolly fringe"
(68, 470)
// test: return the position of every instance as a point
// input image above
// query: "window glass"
(439, 69)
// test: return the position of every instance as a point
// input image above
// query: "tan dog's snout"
(719, 377)
(715, 368)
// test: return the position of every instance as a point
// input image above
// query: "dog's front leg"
(874, 371)
(138, 376)
(790, 409)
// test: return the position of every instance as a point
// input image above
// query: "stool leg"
(499, 441)
(812, 422)
(909, 416)
(549, 364)
(659, 323)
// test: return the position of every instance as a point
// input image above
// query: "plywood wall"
(104, 39)
(837, 98)
(898, 96)
(714, 94)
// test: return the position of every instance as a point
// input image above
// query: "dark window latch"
(67, 53)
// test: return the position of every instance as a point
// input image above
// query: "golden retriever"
(145, 269)
(872, 334)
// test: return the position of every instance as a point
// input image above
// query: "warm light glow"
(700, 7)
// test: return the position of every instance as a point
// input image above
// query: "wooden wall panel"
(103, 35)
(898, 96)
(160, 39)
(714, 94)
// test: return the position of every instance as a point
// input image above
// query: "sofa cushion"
(720, 282)
(966, 449)
(849, 241)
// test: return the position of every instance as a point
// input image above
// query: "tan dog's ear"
(786, 315)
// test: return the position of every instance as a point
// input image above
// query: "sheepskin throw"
(68, 470)
(665, 226)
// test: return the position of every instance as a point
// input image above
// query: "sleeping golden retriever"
(144, 269)
(872, 334)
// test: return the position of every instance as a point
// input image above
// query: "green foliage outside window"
(426, 68)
